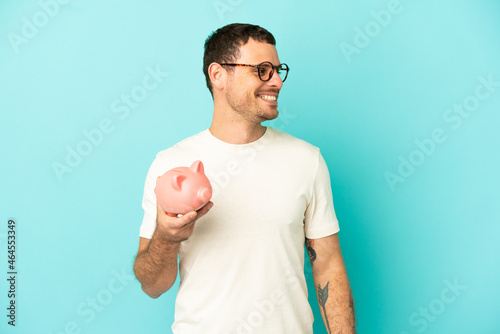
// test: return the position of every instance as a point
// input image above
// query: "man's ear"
(217, 75)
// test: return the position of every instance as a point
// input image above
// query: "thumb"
(190, 216)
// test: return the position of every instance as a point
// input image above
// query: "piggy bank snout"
(204, 194)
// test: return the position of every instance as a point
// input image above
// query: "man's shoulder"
(183, 153)
(183, 145)
(293, 142)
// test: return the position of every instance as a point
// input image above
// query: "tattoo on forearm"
(310, 250)
(322, 298)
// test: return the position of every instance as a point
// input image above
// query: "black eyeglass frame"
(275, 69)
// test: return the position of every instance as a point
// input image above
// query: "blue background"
(403, 241)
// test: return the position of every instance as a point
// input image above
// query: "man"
(241, 256)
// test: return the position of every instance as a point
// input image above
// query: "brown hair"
(223, 45)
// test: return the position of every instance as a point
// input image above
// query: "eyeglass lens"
(266, 71)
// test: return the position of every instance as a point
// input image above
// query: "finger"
(193, 216)
(179, 223)
(204, 210)
(189, 217)
(159, 209)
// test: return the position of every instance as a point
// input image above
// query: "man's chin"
(269, 116)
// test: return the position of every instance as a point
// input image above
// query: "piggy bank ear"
(197, 167)
(177, 182)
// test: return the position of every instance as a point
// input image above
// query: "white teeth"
(269, 97)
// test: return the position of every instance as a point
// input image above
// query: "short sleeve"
(320, 219)
(148, 225)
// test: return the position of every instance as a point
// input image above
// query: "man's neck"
(232, 127)
(237, 133)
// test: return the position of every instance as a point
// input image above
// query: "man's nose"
(275, 80)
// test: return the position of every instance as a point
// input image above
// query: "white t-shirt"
(242, 270)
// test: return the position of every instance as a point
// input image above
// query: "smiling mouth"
(269, 97)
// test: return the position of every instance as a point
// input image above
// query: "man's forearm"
(156, 266)
(336, 302)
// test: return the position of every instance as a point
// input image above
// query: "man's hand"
(155, 265)
(175, 229)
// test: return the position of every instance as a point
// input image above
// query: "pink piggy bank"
(182, 189)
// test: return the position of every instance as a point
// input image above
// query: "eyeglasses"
(266, 70)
